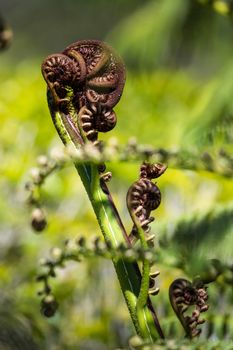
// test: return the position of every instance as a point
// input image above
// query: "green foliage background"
(178, 95)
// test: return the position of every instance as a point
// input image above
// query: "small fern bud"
(38, 221)
(49, 306)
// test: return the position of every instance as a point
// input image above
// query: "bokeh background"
(178, 96)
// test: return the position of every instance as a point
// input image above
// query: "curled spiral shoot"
(183, 294)
(85, 82)
(143, 197)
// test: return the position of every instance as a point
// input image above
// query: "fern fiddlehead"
(143, 197)
(84, 83)
(88, 78)
(184, 294)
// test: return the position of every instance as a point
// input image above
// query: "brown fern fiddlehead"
(86, 81)
(143, 197)
(184, 294)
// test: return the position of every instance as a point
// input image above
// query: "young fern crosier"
(84, 83)
(183, 295)
(143, 197)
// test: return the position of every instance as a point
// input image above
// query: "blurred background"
(178, 96)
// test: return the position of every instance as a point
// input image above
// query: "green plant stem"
(128, 273)
(145, 280)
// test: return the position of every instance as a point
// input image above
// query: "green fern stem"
(131, 282)
(145, 280)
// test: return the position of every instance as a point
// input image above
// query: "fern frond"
(196, 239)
